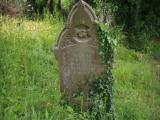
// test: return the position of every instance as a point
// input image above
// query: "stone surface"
(77, 51)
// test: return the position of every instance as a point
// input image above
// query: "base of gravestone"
(77, 104)
(78, 99)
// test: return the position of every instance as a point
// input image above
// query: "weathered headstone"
(77, 51)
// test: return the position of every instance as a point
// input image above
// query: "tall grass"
(29, 83)
(136, 87)
(29, 76)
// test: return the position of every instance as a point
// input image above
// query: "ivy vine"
(101, 94)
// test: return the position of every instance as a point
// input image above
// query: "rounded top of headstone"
(78, 8)
(81, 1)
(80, 26)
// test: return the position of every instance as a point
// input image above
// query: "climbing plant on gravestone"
(101, 98)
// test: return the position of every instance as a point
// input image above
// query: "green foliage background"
(140, 20)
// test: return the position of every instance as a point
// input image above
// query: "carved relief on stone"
(82, 33)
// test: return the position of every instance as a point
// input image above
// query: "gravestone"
(77, 52)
